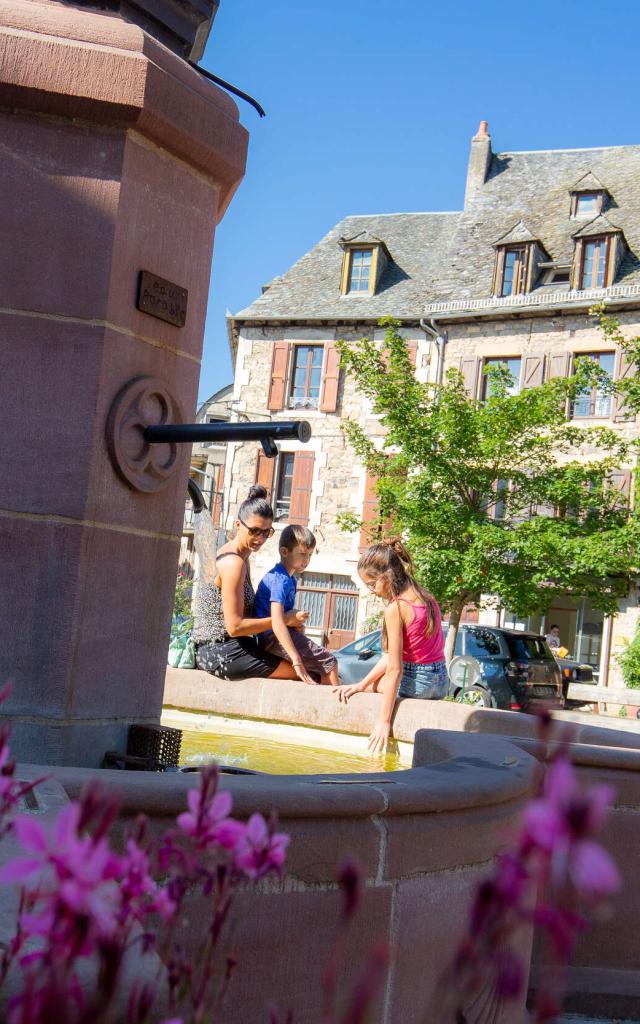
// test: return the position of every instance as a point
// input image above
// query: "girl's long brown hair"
(390, 558)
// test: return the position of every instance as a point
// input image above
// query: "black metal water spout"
(196, 495)
(267, 433)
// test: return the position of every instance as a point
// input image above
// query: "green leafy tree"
(182, 613)
(629, 661)
(503, 497)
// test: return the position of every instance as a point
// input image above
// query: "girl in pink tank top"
(413, 664)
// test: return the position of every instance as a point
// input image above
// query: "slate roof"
(441, 257)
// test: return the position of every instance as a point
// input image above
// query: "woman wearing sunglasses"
(224, 627)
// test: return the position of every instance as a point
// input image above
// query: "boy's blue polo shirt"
(275, 585)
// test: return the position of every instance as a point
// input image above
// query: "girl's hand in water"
(344, 692)
(296, 619)
(302, 673)
(379, 738)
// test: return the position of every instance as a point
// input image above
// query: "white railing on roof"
(495, 302)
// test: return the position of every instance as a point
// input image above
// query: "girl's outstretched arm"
(391, 681)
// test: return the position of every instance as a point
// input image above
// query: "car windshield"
(370, 642)
(527, 648)
(481, 643)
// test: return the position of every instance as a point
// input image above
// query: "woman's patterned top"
(208, 618)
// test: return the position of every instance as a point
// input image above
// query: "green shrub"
(629, 661)
(182, 614)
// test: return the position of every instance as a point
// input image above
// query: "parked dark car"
(517, 669)
(574, 672)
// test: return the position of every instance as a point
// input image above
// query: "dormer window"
(514, 271)
(589, 197)
(363, 263)
(588, 204)
(595, 253)
(600, 249)
(360, 270)
(519, 256)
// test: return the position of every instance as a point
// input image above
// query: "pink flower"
(71, 874)
(208, 819)
(260, 850)
(593, 871)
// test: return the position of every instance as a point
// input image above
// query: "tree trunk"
(455, 614)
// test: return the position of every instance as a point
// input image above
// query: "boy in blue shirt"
(276, 595)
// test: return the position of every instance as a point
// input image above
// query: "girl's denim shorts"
(426, 682)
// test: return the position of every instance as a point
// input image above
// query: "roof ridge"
(577, 149)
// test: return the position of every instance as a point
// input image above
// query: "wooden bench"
(587, 693)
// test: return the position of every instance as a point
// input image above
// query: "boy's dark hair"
(292, 536)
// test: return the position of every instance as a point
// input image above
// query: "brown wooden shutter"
(621, 481)
(532, 371)
(557, 365)
(470, 370)
(265, 469)
(278, 385)
(216, 509)
(370, 507)
(576, 267)
(412, 352)
(301, 488)
(623, 368)
(498, 272)
(330, 379)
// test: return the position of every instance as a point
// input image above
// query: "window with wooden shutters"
(595, 402)
(330, 379)
(513, 365)
(284, 485)
(278, 384)
(265, 469)
(306, 376)
(301, 488)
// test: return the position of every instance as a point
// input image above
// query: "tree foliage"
(504, 496)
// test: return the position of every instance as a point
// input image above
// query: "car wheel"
(476, 695)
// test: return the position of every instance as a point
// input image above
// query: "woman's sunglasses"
(257, 531)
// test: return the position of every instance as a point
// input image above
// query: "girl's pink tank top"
(417, 647)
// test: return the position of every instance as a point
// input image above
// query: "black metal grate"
(156, 744)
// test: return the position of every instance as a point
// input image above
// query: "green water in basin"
(276, 748)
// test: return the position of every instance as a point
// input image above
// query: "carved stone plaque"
(141, 403)
(162, 299)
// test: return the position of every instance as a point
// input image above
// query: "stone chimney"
(479, 163)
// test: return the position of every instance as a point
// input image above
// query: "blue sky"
(371, 107)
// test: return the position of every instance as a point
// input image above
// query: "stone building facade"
(542, 237)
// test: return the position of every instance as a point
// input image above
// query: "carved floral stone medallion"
(141, 403)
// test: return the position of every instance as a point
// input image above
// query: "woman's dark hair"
(391, 559)
(256, 504)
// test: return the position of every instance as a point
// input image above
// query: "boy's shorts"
(315, 659)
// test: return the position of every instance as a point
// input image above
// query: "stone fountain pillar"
(117, 160)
